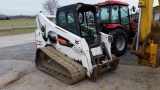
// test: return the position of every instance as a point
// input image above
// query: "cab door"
(125, 20)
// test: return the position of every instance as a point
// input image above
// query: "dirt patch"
(12, 71)
(10, 79)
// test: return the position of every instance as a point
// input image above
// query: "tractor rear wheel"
(119, 44)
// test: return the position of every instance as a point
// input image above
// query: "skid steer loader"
(69, 49)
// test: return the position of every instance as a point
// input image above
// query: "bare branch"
(51, 6)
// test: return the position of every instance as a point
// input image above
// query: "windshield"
(124, 15)
(115, 14)
(67, 21)
(87, 26)
(109, 14)
(104, 14)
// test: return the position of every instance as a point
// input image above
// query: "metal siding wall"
(156, 16)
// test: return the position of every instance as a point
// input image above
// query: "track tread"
(75, 71)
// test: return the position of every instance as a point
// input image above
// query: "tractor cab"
(114, 14)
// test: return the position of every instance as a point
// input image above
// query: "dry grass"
(17, 23)
(14, 24)
(16, 31)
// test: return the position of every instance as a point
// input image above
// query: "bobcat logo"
(76, 42)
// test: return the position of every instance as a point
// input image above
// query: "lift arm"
(146, 11)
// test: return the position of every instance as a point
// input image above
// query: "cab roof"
(112, 2)
(78, 6)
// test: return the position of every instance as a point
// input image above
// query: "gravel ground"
(18, 72)
(19, 52)
(22, 75)
(6, 41)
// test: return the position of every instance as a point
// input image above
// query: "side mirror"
(133, 8)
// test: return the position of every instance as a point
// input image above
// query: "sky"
(31, 7)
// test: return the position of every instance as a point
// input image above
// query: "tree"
(51, 6)
(7, 18)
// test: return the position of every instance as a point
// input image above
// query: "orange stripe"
(61, 40)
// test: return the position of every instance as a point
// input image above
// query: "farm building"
(156, 13)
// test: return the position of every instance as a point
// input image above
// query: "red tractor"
(114, 19)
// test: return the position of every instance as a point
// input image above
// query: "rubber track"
(61, 66)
